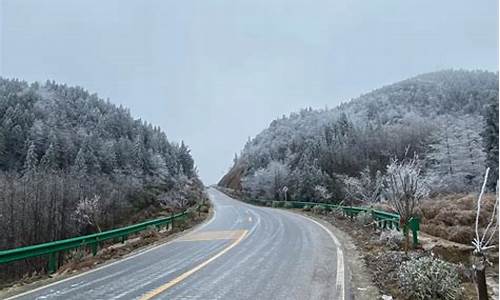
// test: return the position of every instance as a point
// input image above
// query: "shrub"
(77, 255)
(392, 239)
(150, 232)
(277, 204)
(288, 205)
(338, 213)
(306, 207)
(429, 278)
(204, 208)
(192, 213)
(318, 209)
(364, 218)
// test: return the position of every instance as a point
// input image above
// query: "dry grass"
(453, 216)
(82, 259)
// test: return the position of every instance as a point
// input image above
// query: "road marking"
(340, 273)
(211, 235)
(340, 283)
(185, 275)
(120, 260)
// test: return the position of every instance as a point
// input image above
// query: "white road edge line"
(113, 263)
(340, 257)
(340, 283)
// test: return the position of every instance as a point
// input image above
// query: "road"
(242, 252)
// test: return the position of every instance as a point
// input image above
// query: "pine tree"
(186, 160)
(80, 165)
(456, 158)
(490, 142)
(49, 161)
(3, 148)
(139, 153)
(31, 160)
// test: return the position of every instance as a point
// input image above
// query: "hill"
(72, 163)
(447, 118)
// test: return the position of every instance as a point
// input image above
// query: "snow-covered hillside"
(443, 117)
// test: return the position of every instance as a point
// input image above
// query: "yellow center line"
(171, 283)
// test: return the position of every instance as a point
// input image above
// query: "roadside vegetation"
(73, 164)
(418, 148)
(81, 260)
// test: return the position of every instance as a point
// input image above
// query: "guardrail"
(383, 220)
(92, 241)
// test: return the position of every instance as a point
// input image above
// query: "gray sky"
(214, 72)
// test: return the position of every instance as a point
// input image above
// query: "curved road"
(243, 252)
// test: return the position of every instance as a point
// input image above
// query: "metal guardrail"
(383, 219)
(92, 241)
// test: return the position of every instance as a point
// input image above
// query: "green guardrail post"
(94, 248)
(415, 227)
(172, 218)
(52, 265)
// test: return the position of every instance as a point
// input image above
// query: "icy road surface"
(243, 252)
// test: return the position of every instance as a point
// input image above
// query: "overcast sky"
(215, 72)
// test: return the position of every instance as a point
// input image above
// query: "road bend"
(242, 252)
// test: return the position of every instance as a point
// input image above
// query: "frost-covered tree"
(483, 242)
(89, 212)
(367, 187)
(436, 115)
(456, 158)
(267, 182)
(49, 159)
(80, 164)
(60, 146)
(183, 193)
(185, 160)
(404, 187)
(490, 141)
(31, 161)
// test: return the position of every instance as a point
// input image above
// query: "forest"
(72, 164)
(448, 120)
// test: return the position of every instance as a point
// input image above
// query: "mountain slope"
(311, 151)
(71, 163)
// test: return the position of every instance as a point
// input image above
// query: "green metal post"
(415, 227)
(52, 267)
(94, 249)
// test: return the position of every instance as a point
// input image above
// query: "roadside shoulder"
(110, 255)
(358, 276)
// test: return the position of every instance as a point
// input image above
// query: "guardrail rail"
(92, 241)
(383, 219)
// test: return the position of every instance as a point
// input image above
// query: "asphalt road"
(243, 252)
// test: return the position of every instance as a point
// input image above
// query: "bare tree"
(404, 187)
(88, 211)
(482, 242)
(366, 188)
(180, 196)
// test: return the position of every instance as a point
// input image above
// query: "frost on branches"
(483, 242)
(366, 188)
(88, 212)
(404, 187)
